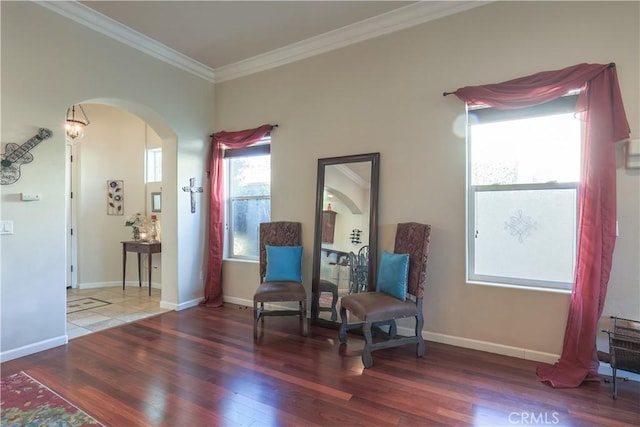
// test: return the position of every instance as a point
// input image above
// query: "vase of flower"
(136, 222)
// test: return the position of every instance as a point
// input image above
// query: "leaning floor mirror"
(345, 236)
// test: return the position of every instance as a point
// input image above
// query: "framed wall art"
(115, 197)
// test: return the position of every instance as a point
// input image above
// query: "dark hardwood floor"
(200, 367)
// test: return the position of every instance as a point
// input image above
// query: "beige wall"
(385, 95)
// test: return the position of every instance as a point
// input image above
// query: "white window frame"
(153, 170)
(262, 147)
(559, 106)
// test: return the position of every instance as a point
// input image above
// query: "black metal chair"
(328, 287)
(358, 273)
(624, 347)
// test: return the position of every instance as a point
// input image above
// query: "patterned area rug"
(26, 402)
(85, 304)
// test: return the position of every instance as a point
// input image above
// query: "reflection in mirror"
(345, 232)
(156, 202)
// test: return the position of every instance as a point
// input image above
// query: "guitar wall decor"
(16, 155)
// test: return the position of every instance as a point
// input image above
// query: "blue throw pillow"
(284, 264)
(393, 275)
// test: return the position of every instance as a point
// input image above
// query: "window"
(154, 165)
(248, 197)
(523, 175)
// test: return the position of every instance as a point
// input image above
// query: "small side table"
(140, 247)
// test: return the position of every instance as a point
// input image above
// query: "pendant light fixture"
(75, 125)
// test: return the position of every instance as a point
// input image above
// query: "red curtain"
(240, 139)
(600, 107)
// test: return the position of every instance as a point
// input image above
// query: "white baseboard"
(239, 301)
(114, 284)
(489, 347)
(26, 350)
(99, 285)
(267, 306)
(181, 306)
(163, 304)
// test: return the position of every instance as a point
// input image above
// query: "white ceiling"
(223, 40)
(218, 33)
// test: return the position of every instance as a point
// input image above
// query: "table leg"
(124, 264)
(139, 272)
(150, 258)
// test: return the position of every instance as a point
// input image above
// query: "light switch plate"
(6, 227)
(28, 197)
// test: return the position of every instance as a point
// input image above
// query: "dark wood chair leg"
(255, 320)
(420, 347)
(342, 335)
(315, 304)
(367, 360)
(334, 302)
(393, 328)
(303, 318)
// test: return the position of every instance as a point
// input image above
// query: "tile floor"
(132, 304)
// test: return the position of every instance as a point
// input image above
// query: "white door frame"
(71, 162)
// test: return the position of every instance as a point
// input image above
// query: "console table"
(140, 247)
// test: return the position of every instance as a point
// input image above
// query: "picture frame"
(115, 197)
(156, 202)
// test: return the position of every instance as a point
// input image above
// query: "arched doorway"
(114, 149)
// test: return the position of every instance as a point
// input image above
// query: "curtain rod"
(211, 136)
(611, 65)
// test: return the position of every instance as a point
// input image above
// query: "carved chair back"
(279, 233)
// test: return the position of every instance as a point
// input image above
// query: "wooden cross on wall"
(192, 189)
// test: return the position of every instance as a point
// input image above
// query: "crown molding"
(395, 20)
(103, 24)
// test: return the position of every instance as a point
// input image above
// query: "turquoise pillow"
(393, 275)
(284, 264)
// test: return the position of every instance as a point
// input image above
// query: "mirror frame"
(156, 202)
(374, 158)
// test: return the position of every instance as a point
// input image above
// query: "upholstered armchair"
(399, 294)
(280, 273)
